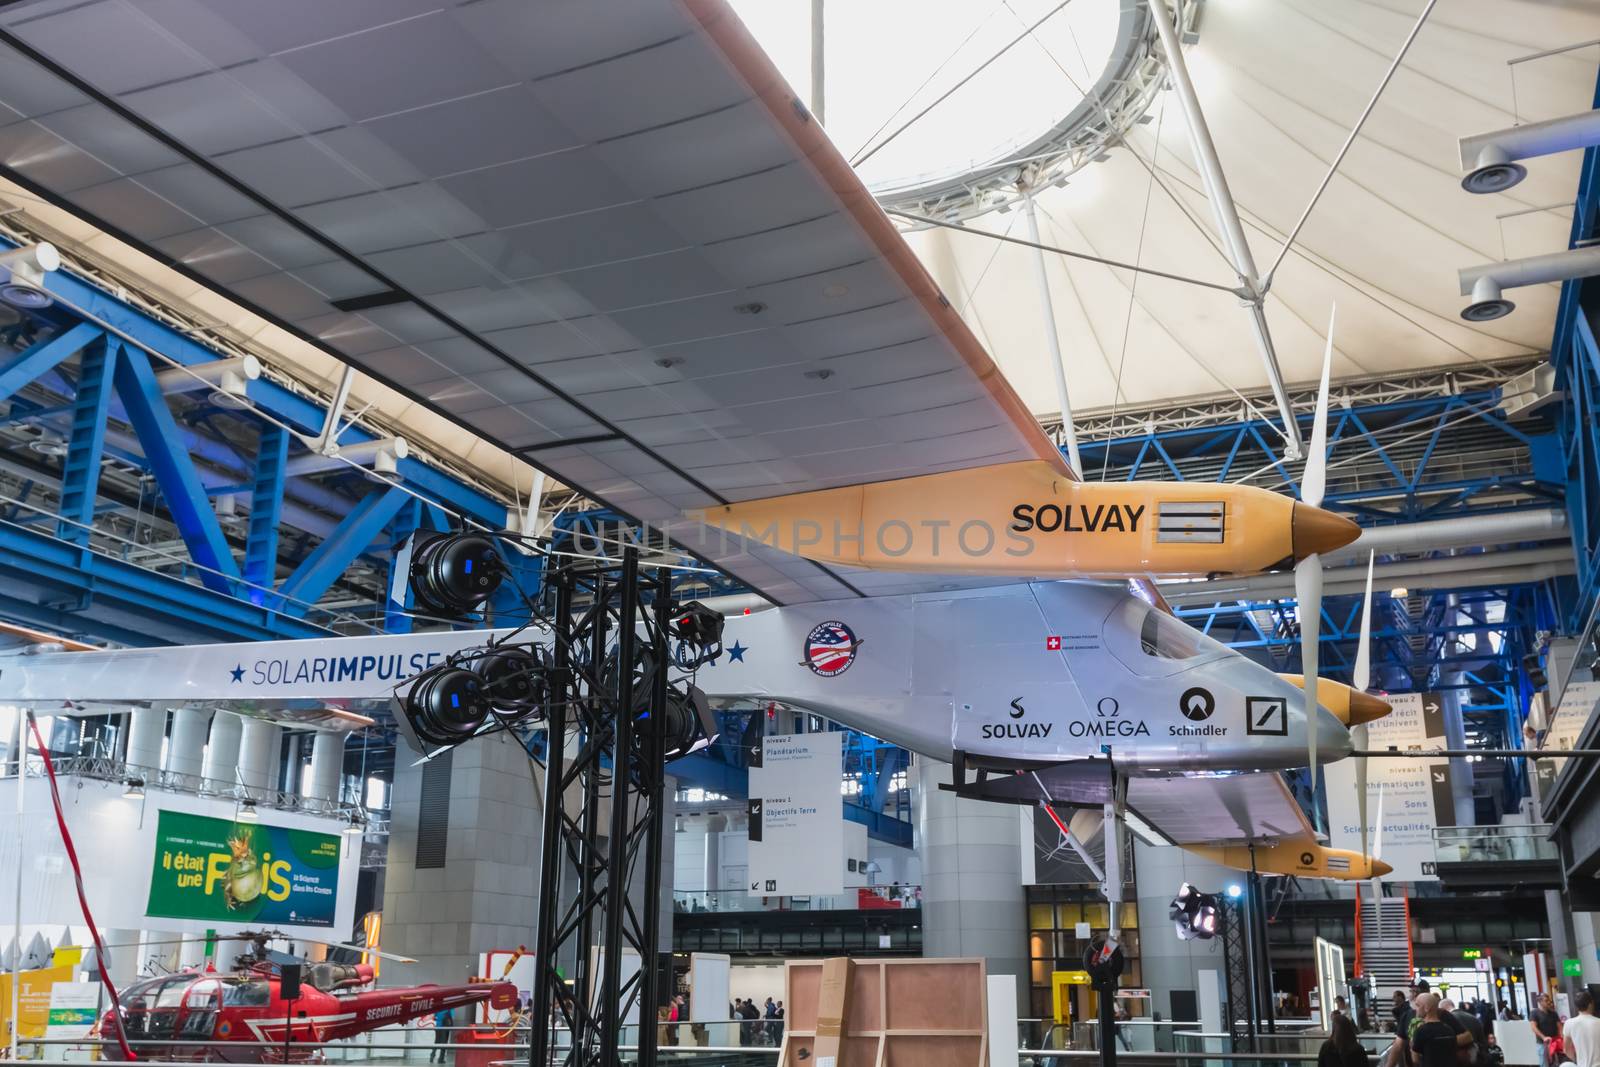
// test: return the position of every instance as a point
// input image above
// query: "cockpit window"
(1153, 644)
(1164, 637)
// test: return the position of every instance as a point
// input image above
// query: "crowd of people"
(761, 1026)
(1433, 1031)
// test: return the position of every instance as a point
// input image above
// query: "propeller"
(1361, 681)
(1308, 572)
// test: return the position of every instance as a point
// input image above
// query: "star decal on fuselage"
(736, 652)
(238, 672)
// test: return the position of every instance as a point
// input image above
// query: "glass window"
(1039, 917)
(1154, 644)
(245, 993)
(171, 994)
(203, 994)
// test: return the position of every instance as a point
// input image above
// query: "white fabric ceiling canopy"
(1282, 82)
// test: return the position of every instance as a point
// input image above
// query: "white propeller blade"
(1315, 481)
(1361, 681)
(1308, 572)
(1377, 839)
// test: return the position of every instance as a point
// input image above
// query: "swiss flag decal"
(1052, 643)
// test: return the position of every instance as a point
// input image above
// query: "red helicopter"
(242, 1018)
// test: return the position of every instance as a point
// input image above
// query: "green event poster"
(250, 872)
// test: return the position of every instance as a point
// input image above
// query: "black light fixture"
(699, 628)
(135, 790)
(1194, 915)
(444, 706)
(515, 681)
(453, 574)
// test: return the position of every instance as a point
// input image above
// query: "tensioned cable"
(911, 216)
(972, 291)
(942, 97)
(1222, 383)
(935, 73)
(1133, 295)
(1266, 283)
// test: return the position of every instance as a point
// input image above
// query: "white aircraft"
(623, 249)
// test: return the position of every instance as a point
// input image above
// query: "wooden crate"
(897, 1013)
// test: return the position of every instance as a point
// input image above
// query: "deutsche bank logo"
(1266, 715)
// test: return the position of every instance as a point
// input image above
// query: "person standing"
(1402, 1013)
(1343, 1048)
(1434, 1042)
(1469, 1022)
(1582, 1033)
(1546, 1027)
(443, 1020)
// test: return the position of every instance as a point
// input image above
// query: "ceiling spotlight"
(1235, 891)
(1494, 177)
(135, 790)
(24, 270)
(356, 827)
(48, 446)
(247, 810)
(1487, 303)
(754, 307)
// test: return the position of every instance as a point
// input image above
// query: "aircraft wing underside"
(617, 247)
(1218, 809)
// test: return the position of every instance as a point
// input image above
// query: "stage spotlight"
(685, 721)
(444, 706)
(1235, 891)
(699, 628)
(514, 680)
(453, 574)
(1194, 914)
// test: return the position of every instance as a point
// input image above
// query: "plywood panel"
(864, 1008)
(933, 1051)
(804, 982)
(935, 995)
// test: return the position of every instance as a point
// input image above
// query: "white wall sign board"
(1416, 792)
(708, 987)
(797, 817)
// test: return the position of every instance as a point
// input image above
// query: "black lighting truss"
(1238, 975)
(605, 781)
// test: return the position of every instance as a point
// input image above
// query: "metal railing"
(1494, 844)
(118, 772)
(868, 898)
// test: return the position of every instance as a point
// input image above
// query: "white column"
(715, 825)
(972, 897)
(294, 765)
(222, 750)
(186, 750)
(122, 961)
(327, 766)
(146, 728)
(258, 756)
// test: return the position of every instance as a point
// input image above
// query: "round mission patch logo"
(830, 649)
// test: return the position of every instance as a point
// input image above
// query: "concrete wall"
(1165, 962)
(972, 896)
(485, 896)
